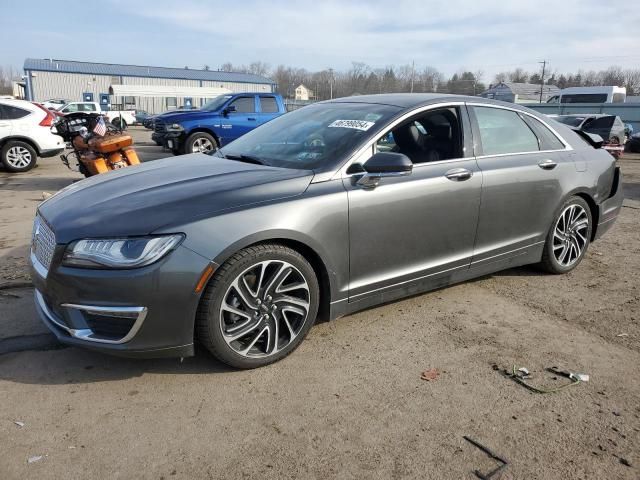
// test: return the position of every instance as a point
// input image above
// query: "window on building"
(268, 105)
(129, 102)
(244, 105)
(503, 131)
(172, 102)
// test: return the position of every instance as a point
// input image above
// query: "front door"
(415, 232)
(244, 119)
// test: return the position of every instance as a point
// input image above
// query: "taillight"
(47, 121)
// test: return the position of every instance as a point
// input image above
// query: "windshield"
(571, 121)
(215, 103)
(314, 137)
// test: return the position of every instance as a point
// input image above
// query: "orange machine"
(102, 154)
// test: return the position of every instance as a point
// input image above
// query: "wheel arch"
(26, 140)
(304, 248)
(595, 211)
(204, 130)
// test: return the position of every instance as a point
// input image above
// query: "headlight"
(119, 252)
(175, 126)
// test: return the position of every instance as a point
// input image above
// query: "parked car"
(54, 103)
(633, 144)
(25, 135)
(120, 118)
(609, 127)
(305, 215)
(218, 122)
(141, 116)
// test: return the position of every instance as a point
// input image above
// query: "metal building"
(519, 92)
(153, 89)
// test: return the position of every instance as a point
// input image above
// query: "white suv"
(25, 134)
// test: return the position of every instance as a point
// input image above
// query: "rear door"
(268, 108)
(522, 163)
(243, 120)
(5, 124)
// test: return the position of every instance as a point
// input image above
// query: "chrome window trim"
(369, 146)
(566, 148)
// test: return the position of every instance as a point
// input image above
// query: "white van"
(590, 95)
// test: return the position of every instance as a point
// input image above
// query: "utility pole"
(544, 65)
(413, 73)
(331, 83)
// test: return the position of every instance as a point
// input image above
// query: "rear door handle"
(459, 174)
(251, 119)
(547, 164)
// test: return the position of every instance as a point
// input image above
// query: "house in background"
(303, 93)
(520, 92)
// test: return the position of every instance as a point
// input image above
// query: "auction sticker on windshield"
(355, 124)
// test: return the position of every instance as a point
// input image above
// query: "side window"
(9, 112)
(430, 137)
(87, 107)
(70, 108)
(548, 140)
(268, 105)
(244, 105)
(503, 131)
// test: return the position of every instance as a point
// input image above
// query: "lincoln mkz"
(330, 209)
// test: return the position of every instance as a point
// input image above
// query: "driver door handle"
(459, 174)
(547, 164)
(251, 119)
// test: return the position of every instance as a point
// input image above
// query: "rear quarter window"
(9, 112)
(547, 139)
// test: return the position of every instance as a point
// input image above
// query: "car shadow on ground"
(71, 365)
(631, 190)
(25, 183)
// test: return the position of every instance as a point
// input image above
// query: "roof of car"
(413, 100)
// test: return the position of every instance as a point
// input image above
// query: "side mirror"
(383, 164)
(228, 110)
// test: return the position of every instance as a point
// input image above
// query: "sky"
(488, 36)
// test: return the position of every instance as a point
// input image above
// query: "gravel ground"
(350, 402)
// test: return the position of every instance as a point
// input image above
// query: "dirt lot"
(350, 402)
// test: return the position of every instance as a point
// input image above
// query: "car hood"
(182, 116)
(141, 199)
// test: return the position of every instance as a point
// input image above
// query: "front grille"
(160, 127)
(43, 242)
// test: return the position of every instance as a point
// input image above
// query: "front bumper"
(609, 210)
(145, 312)
(51, 153)
(174, 140)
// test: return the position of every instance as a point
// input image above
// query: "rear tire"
(568, 237)
(18, 156)
(200, 142)
(245, 318)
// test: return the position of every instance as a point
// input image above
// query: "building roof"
(525, 89)
(112, 69)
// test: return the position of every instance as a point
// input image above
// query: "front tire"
(17, 156)
(568, 238)
(259, 306)
(200, 142)
(119, 123)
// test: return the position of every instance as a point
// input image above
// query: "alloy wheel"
(201, 145)
(570, 235)
(19, 157)
(264, 309)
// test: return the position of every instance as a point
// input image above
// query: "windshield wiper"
(244, 158)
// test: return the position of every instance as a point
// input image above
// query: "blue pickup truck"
(218, 122)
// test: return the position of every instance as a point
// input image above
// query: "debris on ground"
(625, 462)
(35, 459)
(622, 335)
(46, 195)
(522, 375)
(430, 375)
(20, 424)
(499, 468)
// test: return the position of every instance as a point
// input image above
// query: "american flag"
(100, 128)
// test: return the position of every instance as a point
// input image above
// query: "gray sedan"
(327, 210)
